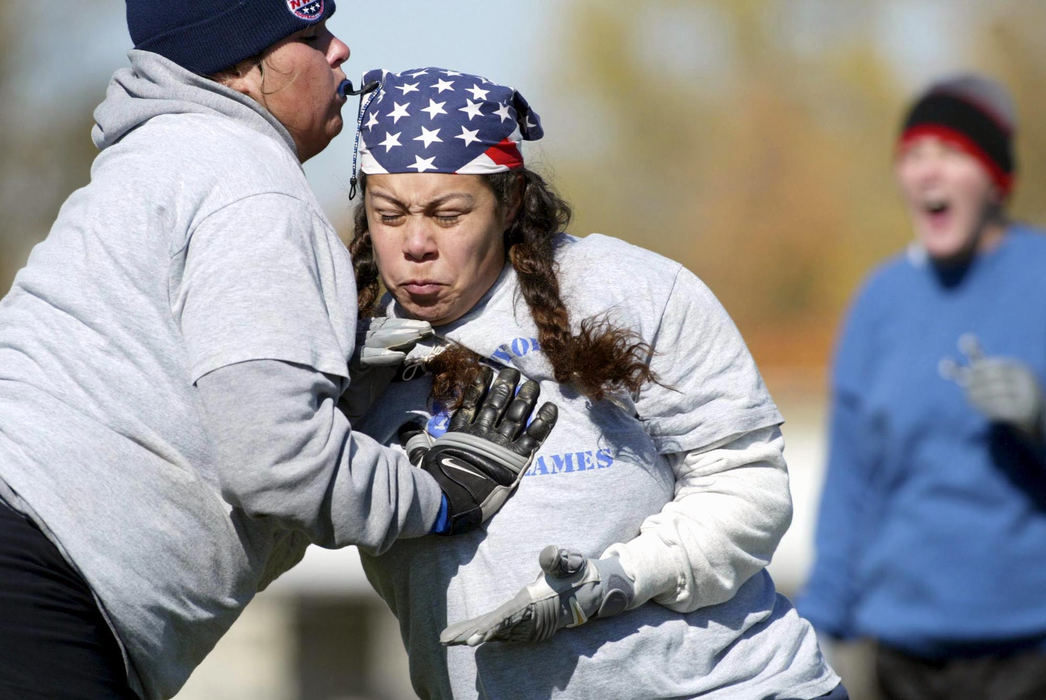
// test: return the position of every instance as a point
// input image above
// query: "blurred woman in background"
(933, 515)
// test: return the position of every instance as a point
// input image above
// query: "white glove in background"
(1006, 391)
(1003, 389)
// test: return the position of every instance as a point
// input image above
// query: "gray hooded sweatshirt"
(170, 362)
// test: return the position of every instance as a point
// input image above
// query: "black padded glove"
(488, 446)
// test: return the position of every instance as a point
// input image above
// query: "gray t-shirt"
(196, 249)
(602, 471)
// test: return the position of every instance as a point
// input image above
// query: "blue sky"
(78, 49)
(73, 52)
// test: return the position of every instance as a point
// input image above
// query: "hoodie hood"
(152, 86)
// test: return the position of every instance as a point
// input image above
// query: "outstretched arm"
(730, 510)
(285, 452)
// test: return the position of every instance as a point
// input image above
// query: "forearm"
(285, 451)
(731, 508)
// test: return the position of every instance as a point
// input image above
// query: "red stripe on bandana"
(505, 153)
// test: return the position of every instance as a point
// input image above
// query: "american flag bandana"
(433, 120)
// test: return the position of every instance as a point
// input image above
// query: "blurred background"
(751, 140)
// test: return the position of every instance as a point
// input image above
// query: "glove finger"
(970, 346)
(519, 410)
(482, 628)
(414, 439)
(949, 369)
(560, 561)
(380, 357)
(471, 400)
(420, 328)
(497, 400)
(539, 429)
(395, 337)
(395, 340)
(377, 324)
(533, 615)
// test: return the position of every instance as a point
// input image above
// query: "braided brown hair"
(601, 358)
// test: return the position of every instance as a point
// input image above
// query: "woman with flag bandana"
(171, 360)
(657, 503)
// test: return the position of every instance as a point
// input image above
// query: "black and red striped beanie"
(973, 112)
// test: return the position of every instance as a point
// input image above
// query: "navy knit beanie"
(207, 36)
(973, 112)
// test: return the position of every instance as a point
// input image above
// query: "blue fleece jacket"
(932, 527)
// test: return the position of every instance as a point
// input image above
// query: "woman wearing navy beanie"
(172, 358)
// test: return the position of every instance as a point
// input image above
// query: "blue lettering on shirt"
(517, 347)
(570, 462)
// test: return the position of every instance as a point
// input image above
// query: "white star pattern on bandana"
(434, 108)
(454, 122)
(478, 94)
(428, 136)
(398, 112)
(391, 140)
(468, 136)
(472, 109)
(423, 164)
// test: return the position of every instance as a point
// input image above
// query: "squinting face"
(297, 82)
(950, 197)
(438, 240)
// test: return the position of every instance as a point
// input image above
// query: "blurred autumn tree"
(759, 155)
(1012, 48)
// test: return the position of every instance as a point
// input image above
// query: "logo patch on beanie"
(306, 9)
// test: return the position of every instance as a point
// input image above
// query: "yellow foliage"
(771, 177)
